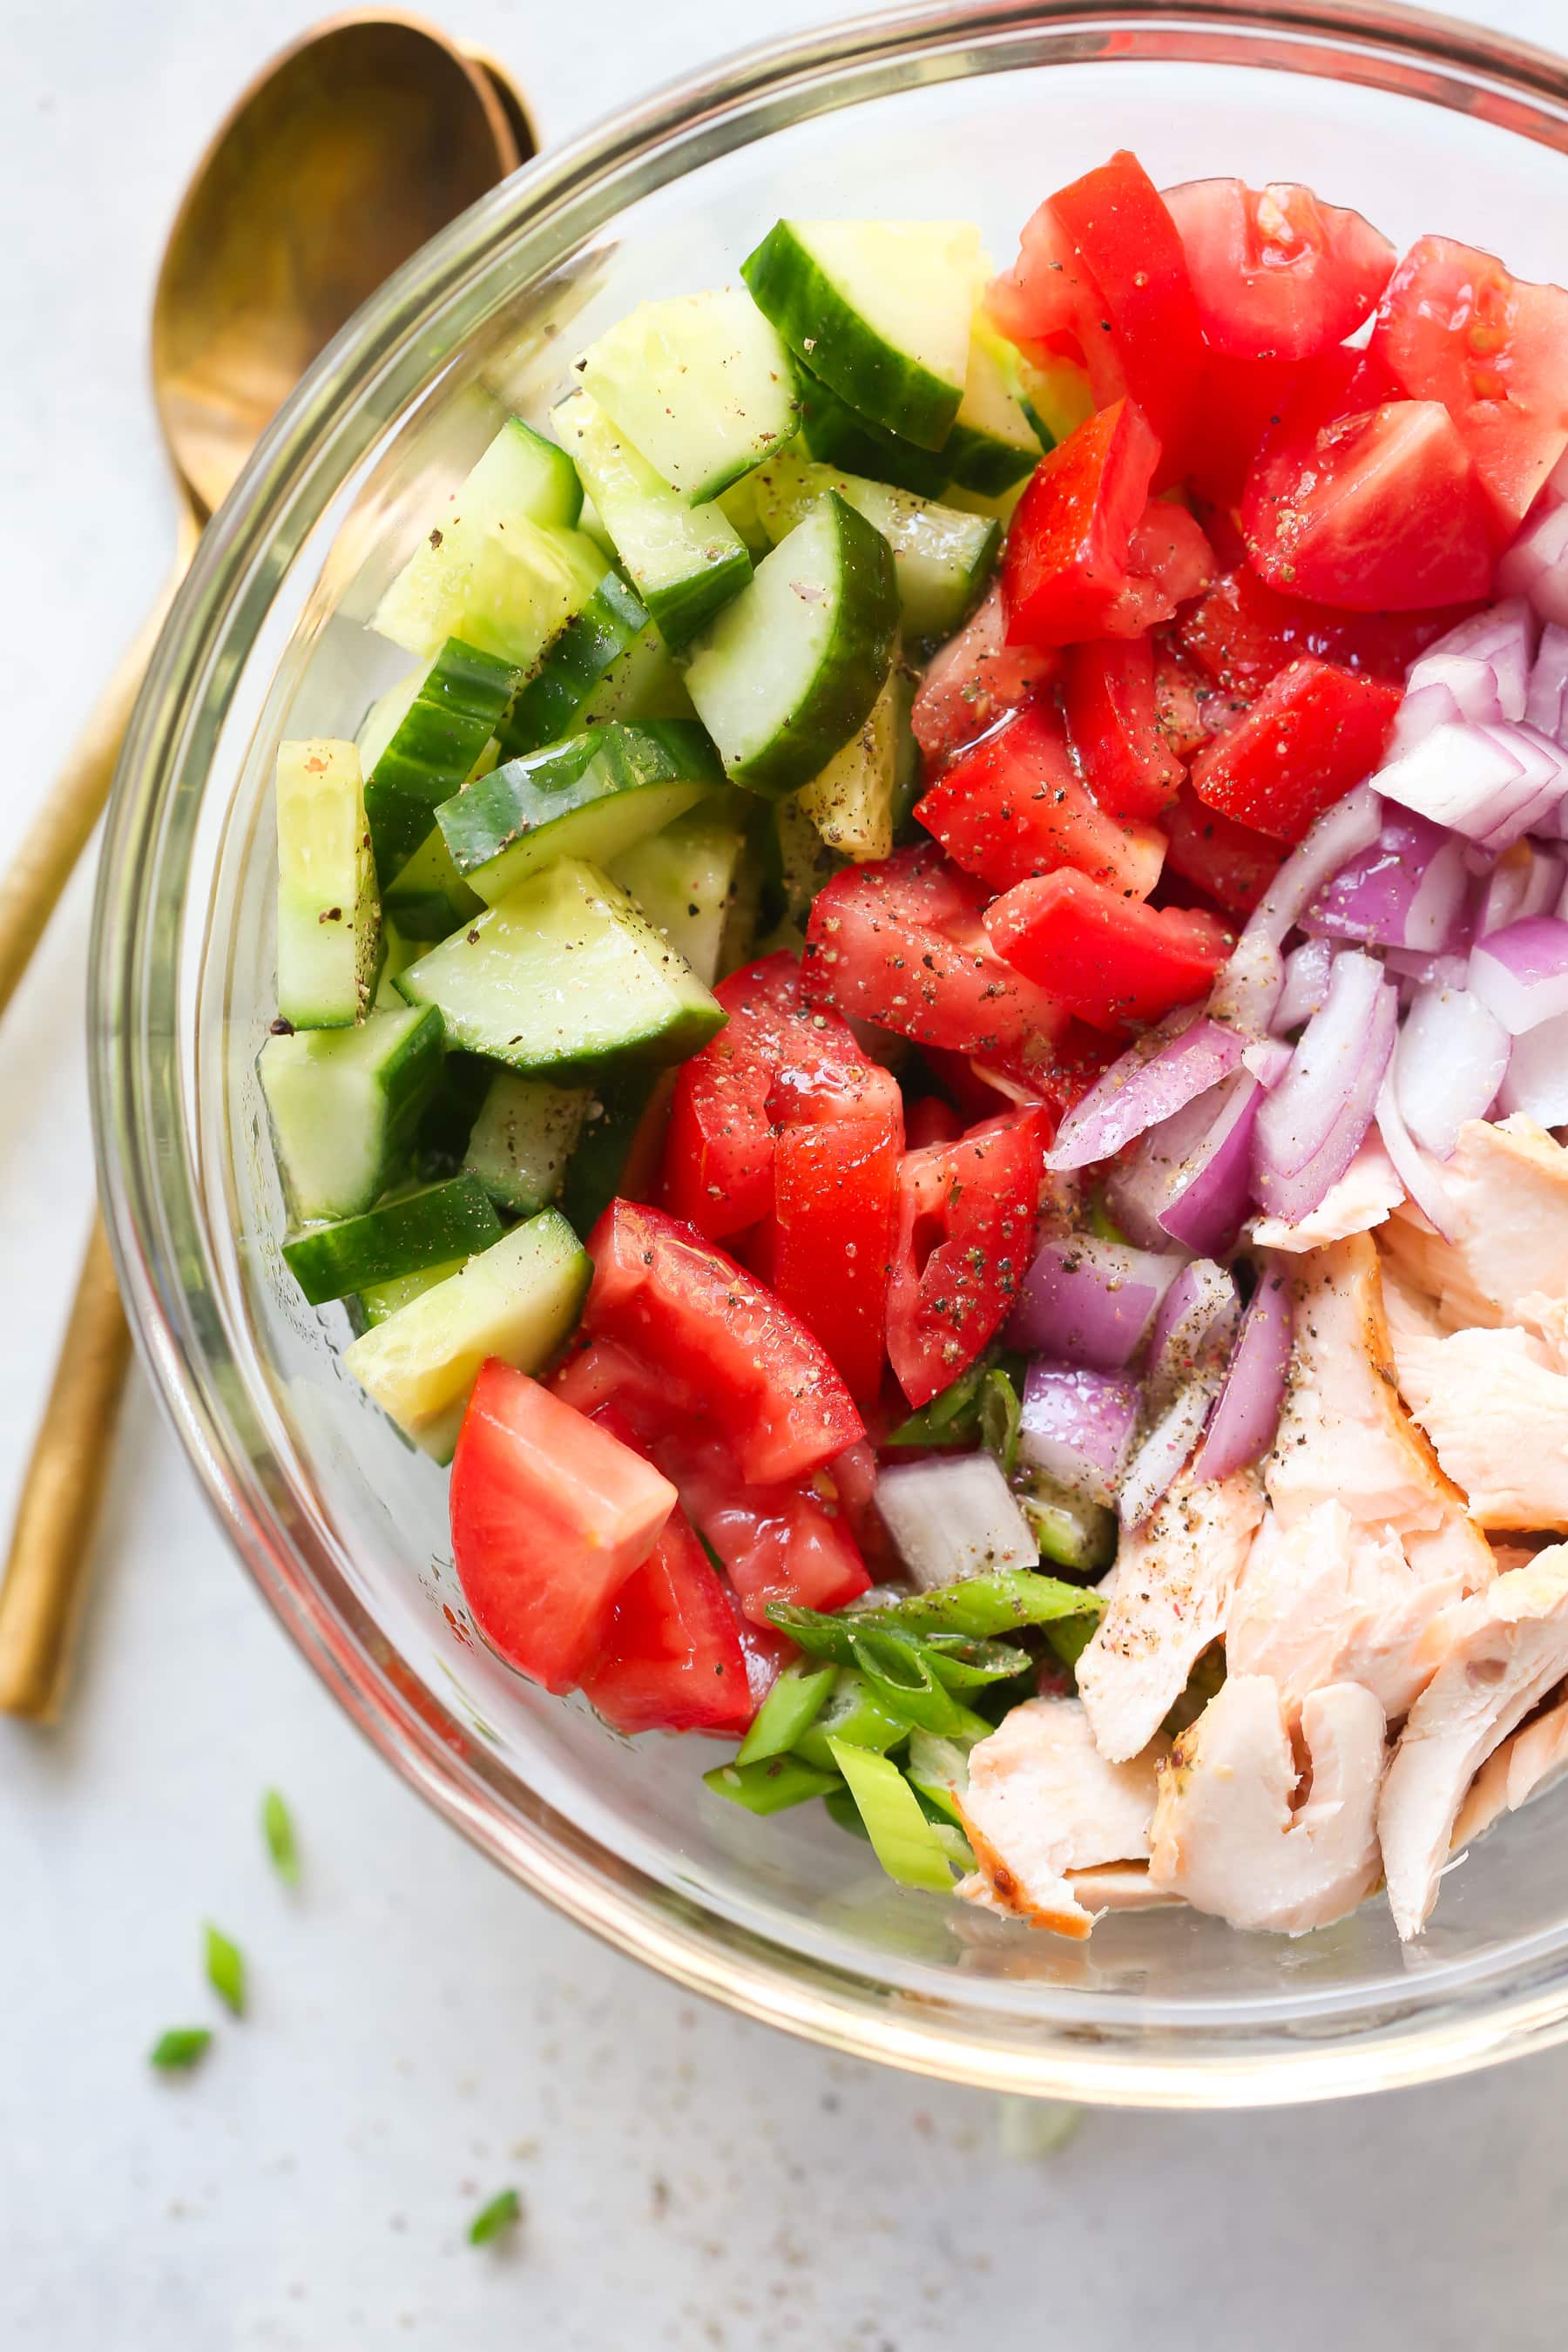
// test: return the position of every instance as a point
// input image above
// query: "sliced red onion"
(1187, 1180)
(953, 1516)
(1248, 988)
(1407, 890)
(1159, 1456)
(1268, 1058)
(1247, 1418)
(1428, 971)
(1490, 783)
(1520, 973)
(1306, 970)
(1526, 880)
(1546, 706)
(1499, 645)
(1537, 1080)
(1451, 1059)
(1546, 767)
(1192, 1339)
(1158, 1076)
(1078, 1425)
(1309, 1129)
(1088, 1302)
(1420, 1176)
(1426, 707)
(1536, 565)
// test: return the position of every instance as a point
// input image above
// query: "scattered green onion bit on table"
(278, 1828)
(790, 1708)
(180, 2047)
(503, 2213)
(908, 1846)
(1028, 2129)
(226, 1969)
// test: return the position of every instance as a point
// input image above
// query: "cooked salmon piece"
(1497, 1411)
(1169, 1597)
(1042, 1802)
(1507, 1185)
(1508, 1648)
(1227, 1835)
(1361, 1199)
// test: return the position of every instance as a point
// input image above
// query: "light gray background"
(422, 2033)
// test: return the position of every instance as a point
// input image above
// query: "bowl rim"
(1105, 2049)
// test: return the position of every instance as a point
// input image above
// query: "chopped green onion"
(1100, 1221)
(1071, 1532)
(1000, 1418)
(976, 1608)
(841, 1808)
(960, 1663)
(949, 1835)
(278, 1828)
(1205, 1680)
(183, 2045)
(502, 2212)
(905, 1843)
(950, 1419)
(226, 1969)
(900, 1675)
(1071, 1638)
(1028, 2129)
(938, 1770)
(794, 1704)
(853, 1713)
(771, 1786)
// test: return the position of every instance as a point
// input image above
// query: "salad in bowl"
(924, 1043)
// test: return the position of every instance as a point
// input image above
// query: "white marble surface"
(422, 2033)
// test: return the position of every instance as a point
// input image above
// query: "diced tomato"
(719, 1147)
(1114, 961)
(1115, 729)
(965, 1234)
(929, 1119)
(778, 1542)
(836, 1169)
(1243, 631)
(1276, 275)
(722, 1347)
(1380, 512)
(1239, 401)
(1456, 327)
(671, 1659)
(1188, 709)
(902, 944)
(974, 681)
(1312, 734)
(550, 1515)
(767, 1651)
(1229, 862)
(1014, 804)
(1066, 569)
(1170, 550)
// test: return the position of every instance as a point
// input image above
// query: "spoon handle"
(41, 868)
(51, 1544)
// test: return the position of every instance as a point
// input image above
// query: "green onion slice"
(182, 2046)
(906, 1845)
(278, 1828)
(790, 1707)
(502, 2212)
(226, 1969)
(769, 1786)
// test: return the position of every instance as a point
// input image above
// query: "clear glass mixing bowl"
(970, 110)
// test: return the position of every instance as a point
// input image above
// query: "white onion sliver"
(1158, 1458)
(1501, 638)
(1451, 1059)
(1421, 1178)
(1536, 1079)
(1248, 988)
(1460, 775)
(1152, 1080)
(1306, 989)
(1310, 1129)
(1546, 705)
(953, 1517)
(1520, 973)
(1536, 565)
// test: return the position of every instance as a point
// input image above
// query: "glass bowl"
(971, 110)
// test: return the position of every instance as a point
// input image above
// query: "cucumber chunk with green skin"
(942, 556)
(1053, 394)
(618, 1150)
(879, 310)
(851, 801)
(421, 1229)
(523, 472)
(608, 661)
(992, 444)
(378, 1300)
(788, 672)
(344, 1103)
(836, 435)
(522, 1139)
(329, 917)
(684, 562)
(441, 1139)
(505, 596)
(795, 863)
(519, 1300)
(457, 704)
(563, 978)
(591, 796)
(428, 898)
(686, 880)
(701, 384)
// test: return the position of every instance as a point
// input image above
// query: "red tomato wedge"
(1313, 733)
(1456, 327)
(1230, 863)
(1066, 567)
(1379, 513)
(974, 681)
(1169, 552)
(549, 1515)
(719, 1147)
(1014, 805)
(1188, 708)
(901, 944)
(1276, 275)
(965, 1233)
(1242, 631)
(930, 1120)
(835, 1163)
(672, 1659)
(786, 1543)
(1114, 724)
(1240, 400)
(1114, 961)
(722, 1347)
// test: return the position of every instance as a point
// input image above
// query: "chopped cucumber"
(607, 662)
(836, 435)
(942, 557)
(344, 1103)
(329, 917)
(701, 384)
(453, 708)
(992, 444)
(565, 978)
(618, 1150)
(396, 954)
(403, 1236)
(378, 1300)
(523, 472)
(591, 796)
(687, 881)
(788, 672)
(429, 898)
(796, 862)
(851, 801)
(684, 562)
(879, 310)
(739, 507)
(446, 1122)
(518, 1301)
(1053, 394)
(522, 1139)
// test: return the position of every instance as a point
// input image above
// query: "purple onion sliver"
(1247, 1418)
(1418, 1175)
(1536, 565)
(1210, 1192)
(1546, 705)
(1192, 1331)
(1248, 988)
(1151, 1080)
(1501, 639)
(1310, 1129)
(1160, 1455)
(1537, 1078)
(1306, 970)
(1539, 795)
(1406, 891)
(1520, 973)
(1451, 1059)
(1089, 1303)
(1078, 1425)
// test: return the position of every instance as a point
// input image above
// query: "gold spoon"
(345, 154)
